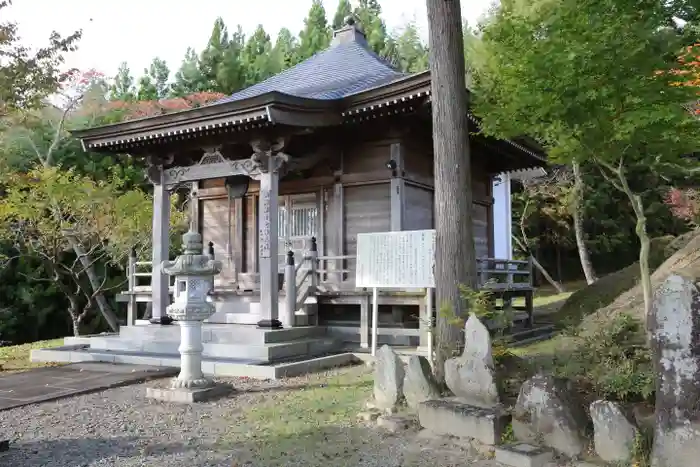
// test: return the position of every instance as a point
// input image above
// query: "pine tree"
(231, 73)
(316, 35)
(257, 57)
(153, 85)
(285, 51)
(343, 11)
(213, 56)
(411, 53)
(368, 14)
(188, 78)
(122, 89)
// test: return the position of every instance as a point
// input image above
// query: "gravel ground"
(120, 427)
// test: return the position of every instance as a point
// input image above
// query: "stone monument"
(194, 279)
(675, 330)
(472, 376)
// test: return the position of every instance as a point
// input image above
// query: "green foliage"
(613, 361)
(482, 304)
(27, 76)
(411, 53)
(642, 447)
(343, 11)
(316, 35)
(122, 88)
(597, 88)
(40, 205)
(542, 65)
(188, 78)
(153, 85)
(284, 53)
(508, 436)
(257, 54)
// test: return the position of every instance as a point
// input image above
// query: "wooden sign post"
(394, 260)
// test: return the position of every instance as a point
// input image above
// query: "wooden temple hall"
(303, 162)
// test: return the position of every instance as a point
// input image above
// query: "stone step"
(454, 418)
(257, 352)
(211, 366)
(523, 455)
(222, 333)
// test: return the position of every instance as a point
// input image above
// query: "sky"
(136, 31)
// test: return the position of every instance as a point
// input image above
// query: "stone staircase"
(229, 350)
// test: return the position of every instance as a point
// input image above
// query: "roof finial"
(350, 32)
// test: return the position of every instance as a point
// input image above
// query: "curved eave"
(539, 159)
(256, 112)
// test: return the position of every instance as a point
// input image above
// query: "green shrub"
(613, 362)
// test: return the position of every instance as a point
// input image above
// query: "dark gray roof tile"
(339, 71)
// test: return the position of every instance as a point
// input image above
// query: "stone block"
(388, 379)
(614, 432)
(675, 326)
(472, 376)
(188, 396)
(368, 415)
(523, 455)
(548, 413)
(419, 383)
(449, 417)
(396, 423)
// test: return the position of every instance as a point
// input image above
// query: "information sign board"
(391, 260)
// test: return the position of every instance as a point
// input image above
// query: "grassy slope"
(15, 358)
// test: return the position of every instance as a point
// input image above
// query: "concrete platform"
(211, 366)
(45, 384)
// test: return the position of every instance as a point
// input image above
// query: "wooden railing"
(313, 273)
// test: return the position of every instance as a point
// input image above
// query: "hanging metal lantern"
(236, 187)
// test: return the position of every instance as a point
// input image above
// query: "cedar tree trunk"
(455, 262)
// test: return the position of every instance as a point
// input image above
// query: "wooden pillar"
(160, 282)
(339, 213)
(194, 208)
(268, 239)
(238, 214)
(397, 188)
(365, 307)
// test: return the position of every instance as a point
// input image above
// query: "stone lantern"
(194, 279)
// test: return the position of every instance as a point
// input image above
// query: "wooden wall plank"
(367, 209)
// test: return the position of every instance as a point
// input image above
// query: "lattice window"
(299, 221)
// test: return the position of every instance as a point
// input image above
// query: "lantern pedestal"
(188, 395)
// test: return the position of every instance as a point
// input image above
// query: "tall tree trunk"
(586, 263)
(455, 258)
(95, 283)
(641, 229)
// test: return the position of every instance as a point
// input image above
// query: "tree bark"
(641, 231)
(586, 263)
(89, 268)
(455, 262)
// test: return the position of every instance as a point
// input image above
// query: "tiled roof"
(343, 69)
